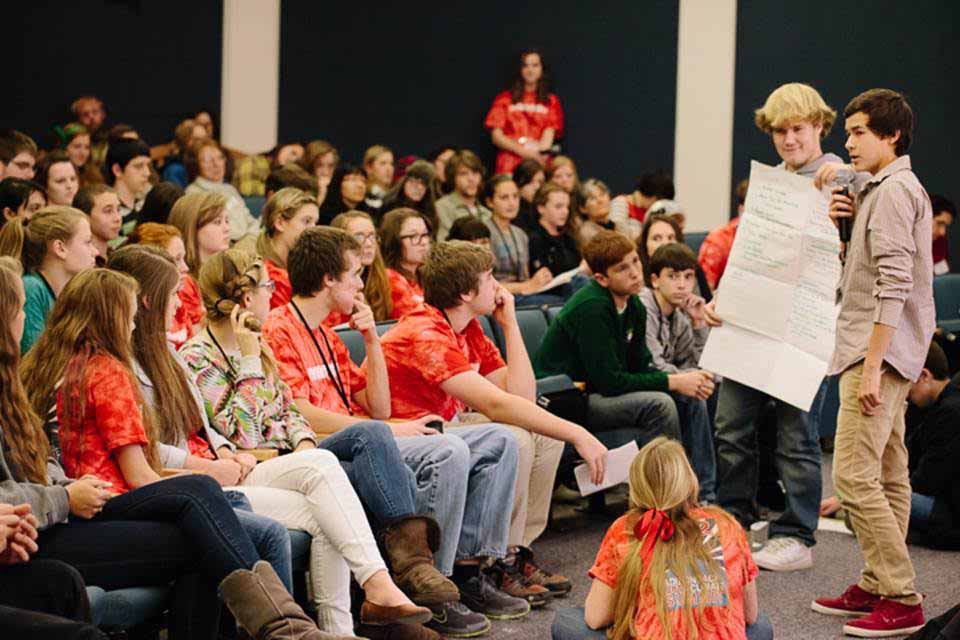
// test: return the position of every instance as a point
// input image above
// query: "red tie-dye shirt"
(281, 284)
(422, 351)
(725, 542)
(189, 315)
(407, 296)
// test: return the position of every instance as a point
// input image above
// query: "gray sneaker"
(480, 594)
(455, 620)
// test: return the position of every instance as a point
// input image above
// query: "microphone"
(843, 179)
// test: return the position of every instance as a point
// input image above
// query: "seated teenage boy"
(440, 362)
(676, 333)
(461, 481)
(599, 338)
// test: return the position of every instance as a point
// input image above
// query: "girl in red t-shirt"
(405, 242)
(669, 568)
(525, 120)
(284, 217)
(82, 366)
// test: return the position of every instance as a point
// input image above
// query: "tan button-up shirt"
(888, 275)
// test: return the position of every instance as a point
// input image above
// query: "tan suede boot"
(409, 544)
(264, 608)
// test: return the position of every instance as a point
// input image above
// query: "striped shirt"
(887, 278)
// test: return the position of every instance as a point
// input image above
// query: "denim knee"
(375, 432)
(502, 446)
(451, 453)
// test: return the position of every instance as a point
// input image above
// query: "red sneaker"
(854, 602)
(889, 618)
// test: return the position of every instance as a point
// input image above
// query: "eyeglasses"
(363, 238)
(269, 285)
(416, 238)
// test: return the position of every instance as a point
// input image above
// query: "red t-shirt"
(189, 315)
(111, 420)
(407, 296)
(726, 544)
(302, 368)
(422, 351)
(525, 119)
(715, 251)
(281, 284)
(637, 213)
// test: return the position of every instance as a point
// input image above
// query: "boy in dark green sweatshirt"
(599, 338)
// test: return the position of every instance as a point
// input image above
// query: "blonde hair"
(224, 279)
(28, 239)
(794, 101)
(376, 288)
(661, 478)
(285, 204)
(189, 214)
(372, 153)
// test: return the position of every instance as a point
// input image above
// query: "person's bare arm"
(502, 141)
(375, 398)
(323, 422)
(517, 377)
(484, 396)
(134, 466)
(546, 139)
(598, 609)
(869, 393)
(751, 606)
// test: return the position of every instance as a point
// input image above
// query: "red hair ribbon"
(654, 524)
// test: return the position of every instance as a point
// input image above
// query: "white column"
(250, 89)
(703, 152)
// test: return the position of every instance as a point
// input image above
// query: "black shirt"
(557, 253)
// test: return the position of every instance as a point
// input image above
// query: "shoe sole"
(796, 566)
(830, 611)
(877, 633)
(508, 616)
(461, 634)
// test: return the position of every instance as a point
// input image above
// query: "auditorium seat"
(946, 297)
(255, 204)
(694, 239)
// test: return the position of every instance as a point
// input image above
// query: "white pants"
(536, 472)
(309, 491)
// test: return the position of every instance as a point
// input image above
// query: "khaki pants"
(536, 472)
(871, 476)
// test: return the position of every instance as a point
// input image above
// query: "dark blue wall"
(415, 75)
(151, 62)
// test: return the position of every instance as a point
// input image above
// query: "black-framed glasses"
(416, 238)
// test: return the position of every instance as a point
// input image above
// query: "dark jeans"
(369, 455)
(797, 459)
(569, 624)
(44, 599)
(697, 437)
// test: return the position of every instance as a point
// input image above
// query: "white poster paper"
(778, 293)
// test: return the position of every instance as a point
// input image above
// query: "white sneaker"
(784, 554)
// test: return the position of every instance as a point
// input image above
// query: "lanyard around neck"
(332, 372)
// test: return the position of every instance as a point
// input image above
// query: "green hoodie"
(591, 342)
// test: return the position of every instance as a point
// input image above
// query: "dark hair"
(657, 184)
(675, 255)
(543, 85)
(740, 195)
(318, 252)
(333, 204)
(290, 175)
(86, 196)
(123, 152)
(941, 204)
(14, 192)
(468, 228)
(645, 233)
(118, 132)
(437, 151)
(887, 113)
(158, 202)
(936, 362)
(490, 188)
(13, 142)
(396, 198)
(43, 167)
(391, 246)
(463, 158)
(524, 172)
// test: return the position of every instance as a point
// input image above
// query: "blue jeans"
(921, 509)
(465, 480)
(797, 459)
(638, 415)
(271, 539)
(368, 453)
(697, 437)
(569, 624)
(197, 505)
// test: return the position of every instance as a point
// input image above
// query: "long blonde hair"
(189, 214)
(285, 204)
(223, 281)
(661, 478)
(178, 416)
(28, 240)
(90, 317)
(376, 288)
(20, 427)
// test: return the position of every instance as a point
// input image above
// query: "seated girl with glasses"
(405, 242)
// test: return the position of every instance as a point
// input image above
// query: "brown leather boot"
(409, 544)
(264, 608)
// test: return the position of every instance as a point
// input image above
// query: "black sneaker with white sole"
(480, 594)
(455, 620)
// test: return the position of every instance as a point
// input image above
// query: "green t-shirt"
(39, 302)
